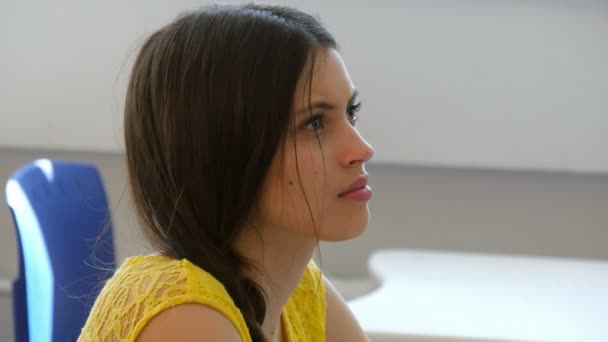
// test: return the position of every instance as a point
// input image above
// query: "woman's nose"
(356, 150)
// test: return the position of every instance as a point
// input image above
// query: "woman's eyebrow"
(327, 105)
(353, 97)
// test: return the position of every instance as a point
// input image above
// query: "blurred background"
(489, 118)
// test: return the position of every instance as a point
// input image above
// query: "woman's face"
(323, 158)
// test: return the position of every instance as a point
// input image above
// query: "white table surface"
(444, 296)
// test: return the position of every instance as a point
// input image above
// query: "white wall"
(499, 84)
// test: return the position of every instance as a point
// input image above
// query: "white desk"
(439, 296)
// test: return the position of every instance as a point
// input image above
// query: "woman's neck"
(281, 258)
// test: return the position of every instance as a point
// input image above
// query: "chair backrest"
(66, 248)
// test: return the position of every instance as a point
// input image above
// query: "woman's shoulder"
(305, 310)
(311, 282)
(157, 271)
(167, 277)
(144, 286)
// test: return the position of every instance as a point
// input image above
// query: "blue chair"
(66, 249)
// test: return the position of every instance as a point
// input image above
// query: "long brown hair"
(208, 105)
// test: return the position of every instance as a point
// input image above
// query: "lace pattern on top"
(146, 285)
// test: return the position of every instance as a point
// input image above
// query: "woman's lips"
(358, 190)
(361, 194)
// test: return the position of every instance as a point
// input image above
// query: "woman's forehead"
(330, 80)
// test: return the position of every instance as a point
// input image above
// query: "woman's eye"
(352, 112)
(315, 123)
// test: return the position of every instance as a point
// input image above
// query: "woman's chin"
(347, 230)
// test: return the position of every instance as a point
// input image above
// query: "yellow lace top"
(143, 286)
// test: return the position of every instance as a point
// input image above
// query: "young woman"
(242, 153)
